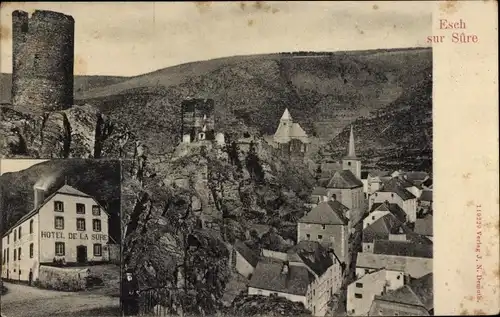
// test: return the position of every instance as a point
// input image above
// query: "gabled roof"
(344, 179)
(423, 226)
(268, 276)
(249, 255)
(64, 190)
(314, 255)
(395, 186)
(403, 248)
(392, 208)
(68, 190)
(417, 293)
(327, 213)
(319, 191)
(426, 195)
(387, 225)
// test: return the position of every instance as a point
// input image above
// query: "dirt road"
(25, 301)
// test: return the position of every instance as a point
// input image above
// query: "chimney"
(39, 196)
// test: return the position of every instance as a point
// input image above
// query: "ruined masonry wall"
(43, 57)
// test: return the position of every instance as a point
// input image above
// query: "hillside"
(81, 84)
(324, 92)
(16, 189)
(398, 136)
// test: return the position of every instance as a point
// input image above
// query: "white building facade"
(67, 228)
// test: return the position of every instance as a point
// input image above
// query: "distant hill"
(81, 84)
(325, 92)
(98, 178)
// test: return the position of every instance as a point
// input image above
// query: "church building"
(290, 138)
(68, 227)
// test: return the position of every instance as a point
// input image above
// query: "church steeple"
(351, 152)
(351, 161)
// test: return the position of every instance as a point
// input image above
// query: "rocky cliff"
(81, 131)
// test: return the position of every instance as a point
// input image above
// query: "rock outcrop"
(81, 131)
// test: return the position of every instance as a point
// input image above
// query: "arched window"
(31, 226)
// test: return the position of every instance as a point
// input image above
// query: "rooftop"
(423, 226)
(246, 253)
(417, 293)
(268, 275)
(328, 213)
(403, 248)
(392, 208)
(344, 179)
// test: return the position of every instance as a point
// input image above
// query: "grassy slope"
(81, 84)
(16, 189)
(323, 93)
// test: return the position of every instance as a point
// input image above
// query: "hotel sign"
(73, 236)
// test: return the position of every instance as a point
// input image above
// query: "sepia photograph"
(243, 158)
(60, 237)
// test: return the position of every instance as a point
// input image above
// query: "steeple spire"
(351, 151)
(286, 115)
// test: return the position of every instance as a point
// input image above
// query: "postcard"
(249, 158)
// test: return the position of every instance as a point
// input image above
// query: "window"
(59, 248)
(19, 232)
(80, 208)
(324, 227)
(308, 236)
(96, 225)
(59, 223)
(366, 271)
(314, 292)
(15, 235)
(97, 250)
(320, 237)
(359, 285)
(80, 224)
(19, 254)
(399, 276)
(31, 226)
(31, 251)
(373, 217)
(8, 239)
(58, 206)
(357, 295)
(392, 195)
(96, 210)
(349, 163)
(8, 253)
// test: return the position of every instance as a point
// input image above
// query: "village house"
(394, 193)
(416, 178)
(360, 293)
(327, 223)
(68, 227)
(378, 210)
(318, 195)
(307, 273)
(389, 228)
(414, 259)
(243, 259)
(425, 201)
(413, 299)
(375, 179)
(423, 226)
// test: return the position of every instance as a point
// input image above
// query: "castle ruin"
(42, 60)
(198, 122)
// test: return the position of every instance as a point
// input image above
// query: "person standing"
(30, 277)
(130, 294)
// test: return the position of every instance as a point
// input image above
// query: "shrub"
(62, 279)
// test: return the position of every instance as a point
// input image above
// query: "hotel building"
(67, 228)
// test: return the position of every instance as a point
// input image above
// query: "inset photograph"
(60, 227)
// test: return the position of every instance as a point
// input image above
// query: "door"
(81, 254)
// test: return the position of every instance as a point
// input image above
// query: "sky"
(16, 165)
(126, 39)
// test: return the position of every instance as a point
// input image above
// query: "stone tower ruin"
(42, 60)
